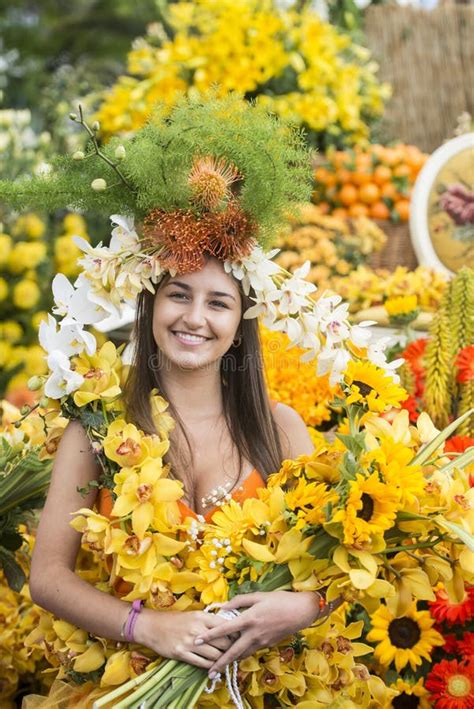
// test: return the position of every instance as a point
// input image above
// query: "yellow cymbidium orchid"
(129, 447)
(101, 373)
(142, 492)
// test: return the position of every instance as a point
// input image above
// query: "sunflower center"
(404, 632)
(364, 388)
(406, 701)
(459, 686)
(367, 509)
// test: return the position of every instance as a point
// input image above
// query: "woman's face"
(196, 316)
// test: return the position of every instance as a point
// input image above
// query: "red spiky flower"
(465, 364)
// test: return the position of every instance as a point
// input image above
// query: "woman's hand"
(173, 634)
(268, 619)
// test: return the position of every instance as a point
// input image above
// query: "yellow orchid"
(101, 373)
(143, 493)
(95, 528)
(128, 446)
(143, 553)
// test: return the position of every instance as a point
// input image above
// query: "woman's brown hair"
(247, 407)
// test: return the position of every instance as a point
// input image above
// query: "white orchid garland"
(113, 277)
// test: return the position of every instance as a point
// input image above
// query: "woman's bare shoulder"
(295, 439)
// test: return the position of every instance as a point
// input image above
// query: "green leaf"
(14, 574)
(354, 443)
(465, 537)
(11, 540)
(460, 461)
(426, 452)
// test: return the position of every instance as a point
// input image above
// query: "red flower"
(411, 405)
(465, 364)
(451, 684)
(466, 645)
(443, 611)
(458, 444)
(451, 645)
(414, 354)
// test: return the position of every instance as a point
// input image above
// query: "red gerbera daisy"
(465, 364)
(450, 647)
(466, 645)
(443, 611)
(458, 444)
(451, 684)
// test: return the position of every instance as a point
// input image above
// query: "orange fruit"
(369, 193)
(320, 174)
(358, 210)
(339, 157)
(339, 212)
(382, 174)
(391, 156)
(361, 177)
(343, 175)
(402, 208)
(389, 191)
(348, 195)
(401, 170)
(379, 210)
(324, 207)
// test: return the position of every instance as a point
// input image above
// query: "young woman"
(193, 344)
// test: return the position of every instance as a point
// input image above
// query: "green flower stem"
(151, 680)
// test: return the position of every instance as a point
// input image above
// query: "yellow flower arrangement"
(404, 640)
(298, 66)
(283, 367)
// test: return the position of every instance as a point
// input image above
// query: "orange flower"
(465, 364)
(443, 611)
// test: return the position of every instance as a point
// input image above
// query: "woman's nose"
(194, 315)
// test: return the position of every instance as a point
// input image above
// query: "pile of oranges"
(371, 182)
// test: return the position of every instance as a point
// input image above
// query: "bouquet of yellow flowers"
(375, 520)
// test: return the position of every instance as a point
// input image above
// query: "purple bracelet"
(131, 620)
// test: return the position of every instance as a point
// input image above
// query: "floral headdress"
(213, 176)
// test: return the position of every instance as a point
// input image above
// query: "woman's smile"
(188, 339)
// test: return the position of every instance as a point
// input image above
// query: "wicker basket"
(398, 251)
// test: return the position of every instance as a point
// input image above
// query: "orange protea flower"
(231, 233)
(451, 684)
(210, 180)
(182, 235)
(465, 364)
(443, 611)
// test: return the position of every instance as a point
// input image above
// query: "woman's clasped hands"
(268, 618)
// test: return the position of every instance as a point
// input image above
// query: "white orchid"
(124, 236)
(255, 271)
(73, 303)
(70, 338)
(63, 380)
(295, 291)
(376, 355)
(334, 361)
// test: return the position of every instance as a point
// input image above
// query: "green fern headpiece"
(214, 174)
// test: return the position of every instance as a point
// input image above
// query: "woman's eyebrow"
(187, 287)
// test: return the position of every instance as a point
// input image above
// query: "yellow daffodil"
(370, 509)
(405, 640)
(371, 387)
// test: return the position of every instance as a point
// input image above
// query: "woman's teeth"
(191, 339)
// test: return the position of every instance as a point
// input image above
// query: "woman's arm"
(55, 586)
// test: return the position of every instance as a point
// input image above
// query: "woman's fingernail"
(198, 641)
(212, 675)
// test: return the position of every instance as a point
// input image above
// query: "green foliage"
(271, 157)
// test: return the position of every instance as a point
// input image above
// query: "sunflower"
(371, 508)
(443, 611)
(412, 696)
(405, 640)
(465, 364)
(370, 386)
(402, 309)
(451, 684)
(393, 460)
